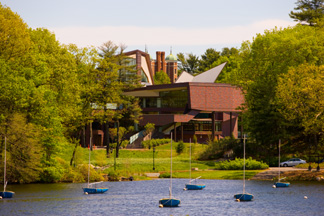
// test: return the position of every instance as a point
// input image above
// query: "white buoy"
(184, 189)
(237, 200)
(160, 206)
(86, 193)
(274, 186)
(0, 197)
(305, 197)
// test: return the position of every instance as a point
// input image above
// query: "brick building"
(207, 110)
(147, 67)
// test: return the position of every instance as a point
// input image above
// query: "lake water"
(142, 198)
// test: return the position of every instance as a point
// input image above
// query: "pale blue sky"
(188, 26)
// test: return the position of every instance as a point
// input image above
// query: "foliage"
(154, 142)
(207, 59)
(309, 11)
(263, 61)
(23, 150)
(194, 139)
(301, 99)
(14, 36)
(161, 77)
(217, 148)
(238, 164)
(180, 147)
(189, 63)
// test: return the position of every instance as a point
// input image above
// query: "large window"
(177, 98)
(167, 99)
(201, 126)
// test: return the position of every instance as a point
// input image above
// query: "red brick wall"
(215, 98)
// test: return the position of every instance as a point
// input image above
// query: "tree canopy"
(309, 11)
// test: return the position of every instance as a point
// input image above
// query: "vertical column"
(213, 125)
(163, 61)
(158, 61)
(181, 131)
(230, 130)
(175, 131)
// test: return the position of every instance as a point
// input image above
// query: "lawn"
(138, 162)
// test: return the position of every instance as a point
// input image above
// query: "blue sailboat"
(243, 196)
(190, 185)
(279, 183)
(90, 189)
(170, 202)
(4, 193)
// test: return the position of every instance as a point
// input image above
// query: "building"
(147, 67)
(189, 106)
(207, 110)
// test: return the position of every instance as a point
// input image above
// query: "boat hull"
(244, 197)
(7, 194)
(282, 184)
(195, 186)
(94, 190)
(170, 202)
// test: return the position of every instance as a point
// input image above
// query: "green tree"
(264, 60)
(149, 128)
(207, 59)
(189, 63)
(14, 36)
(309, 11)
(161, 77)
(23, 149)
(301, 99)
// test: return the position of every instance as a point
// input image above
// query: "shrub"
(180, 147)
(154, 142)
(237, 164)
(217, 148)
(165, 175)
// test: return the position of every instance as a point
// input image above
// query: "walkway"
(272, 172)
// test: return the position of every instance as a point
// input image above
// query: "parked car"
(292, 162)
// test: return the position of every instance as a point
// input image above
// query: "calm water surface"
(141, 198)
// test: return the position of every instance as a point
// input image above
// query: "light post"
(153, 158)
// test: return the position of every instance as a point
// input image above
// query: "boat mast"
(279, 161)
(89, 158)
(171, 170)
(244, 164)
(5, 166)
(190, 161)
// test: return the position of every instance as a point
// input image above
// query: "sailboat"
(170, 202)
(90, 189)
(191, 186)
(4, 193)
(280, 184)
(243, 196)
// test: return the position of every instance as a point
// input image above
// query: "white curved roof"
(209, 76)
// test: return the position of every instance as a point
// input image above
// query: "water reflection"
(141, 198)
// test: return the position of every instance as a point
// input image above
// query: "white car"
(292, 162)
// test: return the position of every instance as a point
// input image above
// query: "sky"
(188, 26)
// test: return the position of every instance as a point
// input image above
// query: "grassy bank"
(138, 162)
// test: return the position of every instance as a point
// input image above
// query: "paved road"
(272, 172)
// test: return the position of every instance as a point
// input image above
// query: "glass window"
(177, 98)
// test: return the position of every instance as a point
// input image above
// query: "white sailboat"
(4, 193)
(170, 202)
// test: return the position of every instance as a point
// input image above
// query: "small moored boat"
(279, 183)
(243, 196)
(191, 186)
(170, 202)
(4, 193)
(90, 189)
